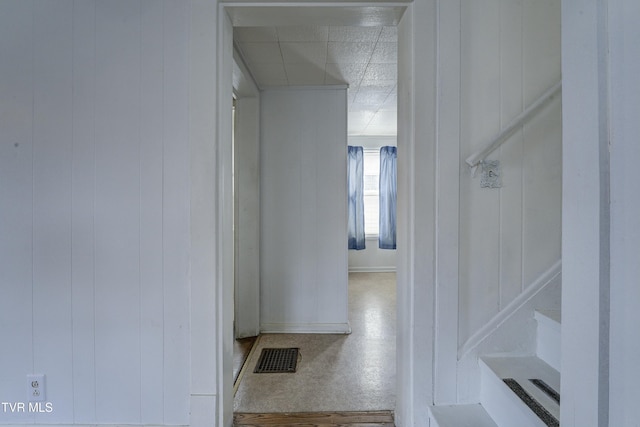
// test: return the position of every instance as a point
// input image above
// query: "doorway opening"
(377, 85)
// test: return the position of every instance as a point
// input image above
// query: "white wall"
(94, 161)
(624, 45)
(600, 229)
(417, 55)
(372, 258)
(510, 55)
(246, 203)
(304, 210)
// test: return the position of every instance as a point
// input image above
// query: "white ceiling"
(363, 57)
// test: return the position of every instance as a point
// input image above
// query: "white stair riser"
(548, 341)
(502, 404)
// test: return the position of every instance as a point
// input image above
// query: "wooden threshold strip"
(317, 419)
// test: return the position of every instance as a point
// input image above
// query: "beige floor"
(353, 372)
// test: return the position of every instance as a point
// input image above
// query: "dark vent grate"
(547, 389)
(533, 404)
(277, 360)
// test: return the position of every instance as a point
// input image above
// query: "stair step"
(460, 416)
(518, 400)
(548, 337)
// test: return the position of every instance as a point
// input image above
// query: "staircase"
(518, 391)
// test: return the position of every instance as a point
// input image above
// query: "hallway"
(335, 373)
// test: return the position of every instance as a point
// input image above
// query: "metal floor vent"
(277, 360)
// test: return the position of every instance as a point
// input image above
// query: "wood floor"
(316, 419)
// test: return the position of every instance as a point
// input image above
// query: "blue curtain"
(355, 182)
(388, 197)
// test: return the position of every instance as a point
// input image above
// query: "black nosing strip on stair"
(547, 389)
(533, 404)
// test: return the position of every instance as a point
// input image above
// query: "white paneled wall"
(304, 210)
(508, 236)
(94, 218)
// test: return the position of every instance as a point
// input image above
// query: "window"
(371, 166)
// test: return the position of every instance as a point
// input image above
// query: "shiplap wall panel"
(117, 225)
(332, 258)
(16, 201)
(52, 148)
(303, 196)
(511, 100)
(542, 190)
(176, 240)
(83, 212)
(508, 236)
(94, 161)
(276, 190)
(541, 47)
(479, 207)
(542, 167)
(307, 130)
(151, 210)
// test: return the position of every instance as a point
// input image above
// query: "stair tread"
(461, 416)
(523, 369)
(554, 315)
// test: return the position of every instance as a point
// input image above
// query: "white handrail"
(478, 157)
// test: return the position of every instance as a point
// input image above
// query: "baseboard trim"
(372, 269)
(531, 291)
(305, 328)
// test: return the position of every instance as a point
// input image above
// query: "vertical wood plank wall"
(304, 209)
(509, 236)
(94, 217)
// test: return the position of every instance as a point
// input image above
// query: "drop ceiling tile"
(311, 33)
(354, 34)
(358, 106)
(389, 34)
(270, 75)
(348, 73)
(383, 123)
(379, 72)
(302, 52)
(255, 34)
(261, 53)
(357, 121)
(391, 103)
(349, 53)
(304, 74)
(330, 80)
(371, 97)
(351, 96)
(386, 86)
(385, 53)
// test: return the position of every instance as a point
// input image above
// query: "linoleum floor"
(354, 372)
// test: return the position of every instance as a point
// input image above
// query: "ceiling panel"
(261, 53)
(298, 52)
(311, 33)
(353, 34)
(385, 53)
(270, 75)
(255, 34)
(363, 57)
(349, 52)
(304, 74)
